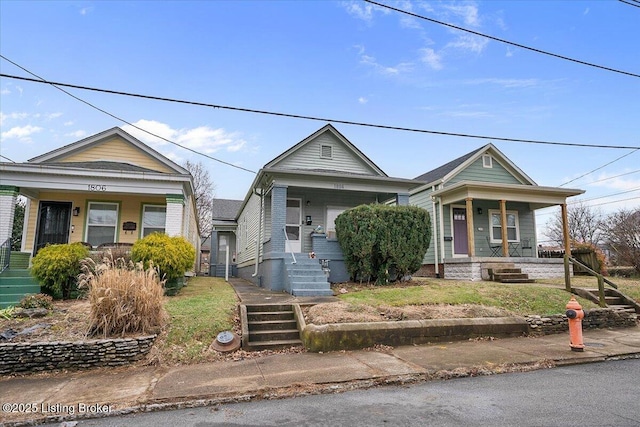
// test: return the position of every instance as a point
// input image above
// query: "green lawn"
(200, 310)
(521, 299)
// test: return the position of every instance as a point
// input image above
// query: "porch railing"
(288, 244)
(5, 255)
(601, 280)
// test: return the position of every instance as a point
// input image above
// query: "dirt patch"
(341, 312)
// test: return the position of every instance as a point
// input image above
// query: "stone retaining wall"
(595, 318)
(44, 356)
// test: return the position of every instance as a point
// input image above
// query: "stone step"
(517, 281)
(268, 307)
(276, 335)
(267, 316)
(272, 325)
(311, 285)
(272, 345)
(498, 277)
(320, 278)
(312, 292)
(507, 270)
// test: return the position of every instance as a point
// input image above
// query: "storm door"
(54, 219)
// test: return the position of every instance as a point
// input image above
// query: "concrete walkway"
(252, 294)
(72, 395)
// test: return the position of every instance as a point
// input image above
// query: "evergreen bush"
(172, 256)
(57, 267)
(382, 242)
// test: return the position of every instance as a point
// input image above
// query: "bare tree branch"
(204, 190)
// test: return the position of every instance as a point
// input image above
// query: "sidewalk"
(111, 392)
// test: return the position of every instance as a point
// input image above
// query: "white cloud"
(468, 13)
(77, 134)
(469, 42)
(506, 83)
(431, 58)
(11, 116)
(586, 11)
(616, 181)
(5, 91)
(400, 68)
(202, 139)
(362, 11)
(51, 116)
(69, 123)
(22, 133)
(362, 100)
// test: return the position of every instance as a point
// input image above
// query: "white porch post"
(8, 197)
(175, 214)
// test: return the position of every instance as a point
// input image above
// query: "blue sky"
(341, 60)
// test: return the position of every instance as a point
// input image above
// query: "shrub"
(124, 298)
(379, 241)
(172, 256)
(37, 301)
(57, 267)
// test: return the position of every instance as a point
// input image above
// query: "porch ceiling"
(537, 196)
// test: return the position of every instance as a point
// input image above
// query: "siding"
(248, 231)
(308, 157)
(423, 200)
(129, 210)
(476, 172)
(117, 150)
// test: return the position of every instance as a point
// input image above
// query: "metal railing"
(5, 255)
(288, 244)
(601, 280)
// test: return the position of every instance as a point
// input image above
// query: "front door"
(294, 221)
(460, 241)
(54, 219)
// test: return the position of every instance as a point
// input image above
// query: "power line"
(613, 177)
(595, 198)
(305, 117)
(598, 168)
(636, 4)
(604, 197)
(42, 80)
(566, 58)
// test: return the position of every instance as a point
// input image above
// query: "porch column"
(470, 235)
(567, 246)
(503, 221)
(175, 214)
(402, 199)
(278, 217)
(8, 197)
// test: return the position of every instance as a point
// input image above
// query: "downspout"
(435, 236)
(259, 239)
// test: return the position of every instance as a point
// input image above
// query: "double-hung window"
(513, 233)
(154, 219)
(102, 223)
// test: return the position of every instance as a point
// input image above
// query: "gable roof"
(60, 153)
(349, 146)
(449, 170)
(225, 209)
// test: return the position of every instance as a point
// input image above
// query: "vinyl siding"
(117, 150)
(476, 172)
(423, 200)
(129, 210)
(248, 222)
(308, 157)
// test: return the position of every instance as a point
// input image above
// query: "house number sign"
(94, 187)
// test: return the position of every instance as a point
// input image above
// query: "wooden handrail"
(600, 277)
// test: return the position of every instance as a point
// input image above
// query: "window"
(332, 214)
(154, 219)
(326, 152)
(487, 161)
(513, 233)
(102, 223)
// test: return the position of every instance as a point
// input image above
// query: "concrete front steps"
(15, 284)
(306, 278)
(505, 272)
(269, 326)
(613, 298)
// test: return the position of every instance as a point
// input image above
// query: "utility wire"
(613, 177)
(305, 117)
(629, 3)
(56, 85)
(5, 157)
(566, 58)
(598, 168)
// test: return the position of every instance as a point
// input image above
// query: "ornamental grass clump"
(124, 297)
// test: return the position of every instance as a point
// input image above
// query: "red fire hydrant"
(575, 316)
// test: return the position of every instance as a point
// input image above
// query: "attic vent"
(326, 152)
(487, 161)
